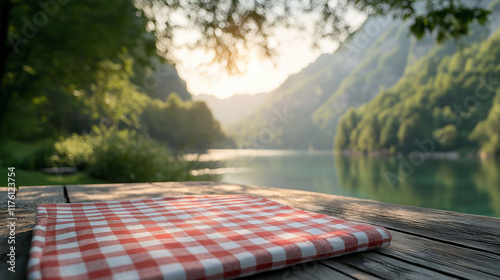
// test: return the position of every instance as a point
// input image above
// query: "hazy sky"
(261, 75)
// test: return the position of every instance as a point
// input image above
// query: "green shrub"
(122, 156)
(28, 156)
(74, 151)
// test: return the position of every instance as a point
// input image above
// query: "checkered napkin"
(195, 237)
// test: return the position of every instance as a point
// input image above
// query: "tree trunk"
(5, 8)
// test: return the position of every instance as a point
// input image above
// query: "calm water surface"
(462, 185)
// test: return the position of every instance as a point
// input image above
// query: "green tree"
(227, 25)
(388, 138)
(347, 123)
(111, 98)
(437, 98)
(447, 136)
(487, 132)
(181, 124)
(408, 132)
(49, 46)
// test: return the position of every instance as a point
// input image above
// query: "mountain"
(373, 57)
(172, 116)
(234, 108)
(378, 70)
(161, 81)
(444, 102)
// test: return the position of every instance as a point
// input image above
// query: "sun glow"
(258, 74)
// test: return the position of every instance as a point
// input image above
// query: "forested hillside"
(318, 95)
(407, 89)
(89, 89)
(232, 109)
(440, 104)
(56, 83)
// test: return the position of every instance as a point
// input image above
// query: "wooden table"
(427, 243)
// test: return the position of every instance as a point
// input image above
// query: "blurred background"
(396, 101)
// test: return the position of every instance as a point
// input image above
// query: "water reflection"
(487, 180)
(463, 185)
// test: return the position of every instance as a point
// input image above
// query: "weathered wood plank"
(32, 196)
(446, 258)
(24, 226)
(351, 271)
(409, 256)
(304, 271)
(389, 268)
(112, 192)
(3, 197)
(23, 243)
(435, 256)
(464, 230)
(25, 211)
(472, 231)
(105, 192)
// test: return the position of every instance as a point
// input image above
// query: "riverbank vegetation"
(91, 84)
(386, 92)
(443, 103)
(89, 90)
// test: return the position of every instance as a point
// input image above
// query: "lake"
(464, 185)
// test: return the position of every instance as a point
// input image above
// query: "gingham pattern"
(195, 237)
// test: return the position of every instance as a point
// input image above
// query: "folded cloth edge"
(37, 243)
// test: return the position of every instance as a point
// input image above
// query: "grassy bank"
(36, 178)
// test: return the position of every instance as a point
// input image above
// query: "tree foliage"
(68, 65)
(320, 94)
(182, 124)
(89, 63)
(230, 28)
(446, 99)
(120, 156)
(47, 60)
(487, 132)
(111, 98)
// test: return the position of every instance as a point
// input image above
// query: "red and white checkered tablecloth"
(194, 237)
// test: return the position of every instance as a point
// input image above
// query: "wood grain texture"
(23, 243)
(3, 197)
(24, 227)
(446, 258)
(30, 197)
(472, 231)
(304, 271)
(112, 192)
(25, 211)
(427, 243)
(389, 268)
(465, 230)
(349, 270)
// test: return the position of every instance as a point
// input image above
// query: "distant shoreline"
(382, 154)
(436, 155)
